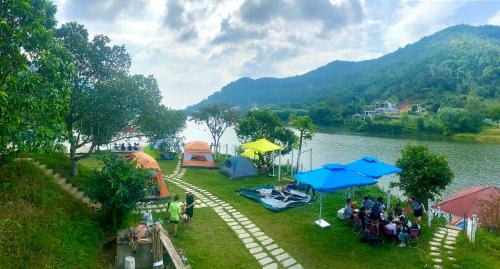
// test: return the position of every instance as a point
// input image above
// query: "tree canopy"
(217, 117)
(34, 76)
(425, 174)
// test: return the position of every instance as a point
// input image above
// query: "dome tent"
(238, 167)
(197, 154)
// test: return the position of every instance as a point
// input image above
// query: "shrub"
(118, 187)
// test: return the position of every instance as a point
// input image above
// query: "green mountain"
(456, 60)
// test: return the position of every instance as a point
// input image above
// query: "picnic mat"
(268, 197)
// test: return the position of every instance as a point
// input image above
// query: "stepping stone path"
(67, 187)
(262, 247)
(442, 246)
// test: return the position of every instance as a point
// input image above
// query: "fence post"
(429, 212)
(474, 228)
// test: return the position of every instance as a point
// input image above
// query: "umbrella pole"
(279, 167)
(320, 205)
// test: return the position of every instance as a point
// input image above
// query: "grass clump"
(43, 227)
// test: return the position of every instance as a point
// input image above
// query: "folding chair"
(414, 235)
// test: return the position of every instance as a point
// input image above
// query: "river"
(473, 164)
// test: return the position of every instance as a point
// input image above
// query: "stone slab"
(255, 250)
(260, 255)
(271, 247)
(288, 262)
(267, 242)
(251, 245)
(277, 251)
(265, 261)
(271, 266)
(282, 257)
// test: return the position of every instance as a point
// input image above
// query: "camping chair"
(414, 235)
(358, 226)
(388, 234)
(373, 228)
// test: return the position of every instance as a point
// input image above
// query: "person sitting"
(404, 231)
(367, 203)
(122, 147)
(362, 217)
(397, 210)
(391, 226)
(348, 210)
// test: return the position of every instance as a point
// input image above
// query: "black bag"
(372, 240)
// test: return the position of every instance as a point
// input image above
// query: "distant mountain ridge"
(455, 60)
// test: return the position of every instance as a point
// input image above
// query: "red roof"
(466, 201)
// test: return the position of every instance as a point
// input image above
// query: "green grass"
(294, 230)
(485, 253)
(167, 166)
(153, 152)
(43, 227)
(61, 164)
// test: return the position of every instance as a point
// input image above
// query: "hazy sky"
(194, 47)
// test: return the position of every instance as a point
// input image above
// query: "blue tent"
(372, 167)
(330, 178)
(238, 167)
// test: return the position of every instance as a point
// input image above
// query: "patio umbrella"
(372, 167)
(330, 178)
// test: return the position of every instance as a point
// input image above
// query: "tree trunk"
(300, 149)
(74, 161)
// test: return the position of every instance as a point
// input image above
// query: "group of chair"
(383, 235)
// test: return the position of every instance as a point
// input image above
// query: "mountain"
(455, 60)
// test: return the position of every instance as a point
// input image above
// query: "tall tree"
(306, 129)
(100, 69)
(34, 71)
(217, 117)
(425, 174)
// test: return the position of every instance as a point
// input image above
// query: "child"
(174, 211)
(189, 207)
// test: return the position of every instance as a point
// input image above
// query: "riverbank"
(489, 135)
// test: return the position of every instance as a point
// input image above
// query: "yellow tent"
(250, 153)
(262, 146)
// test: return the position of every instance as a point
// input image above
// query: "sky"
(195, 47)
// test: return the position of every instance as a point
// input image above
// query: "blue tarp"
(333, 177)
(372, 167)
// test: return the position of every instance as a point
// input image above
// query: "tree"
(495, 114)
(266, 124)
(34, 76)
(217, 117)
(306, 129)
(118, 186)
(425, 174)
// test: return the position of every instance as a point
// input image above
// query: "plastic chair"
(414, 235)
(358, 227)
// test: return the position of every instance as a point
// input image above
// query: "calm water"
(473, 164)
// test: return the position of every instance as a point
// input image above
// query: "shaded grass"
(485, 253)
(43, 227)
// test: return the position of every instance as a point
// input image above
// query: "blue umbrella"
(372, 167)
(330, 178)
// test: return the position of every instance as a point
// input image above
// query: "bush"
(118, 187)
(425, 174)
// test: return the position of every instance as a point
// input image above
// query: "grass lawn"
(152, 152)
(293, 229)
(485, 253)
(43, 227)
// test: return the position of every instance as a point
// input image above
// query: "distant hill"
(455, 60)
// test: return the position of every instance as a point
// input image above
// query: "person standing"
(189, 207)
(418, 209)
(174, 211)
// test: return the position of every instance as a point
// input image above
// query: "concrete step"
(79, 195)
(73, 191)
(61, 181)
(56, 176)
(43, 166)
(67, 186)
(49, 172)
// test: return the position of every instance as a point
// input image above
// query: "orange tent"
(197, 154)
(146, 161)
